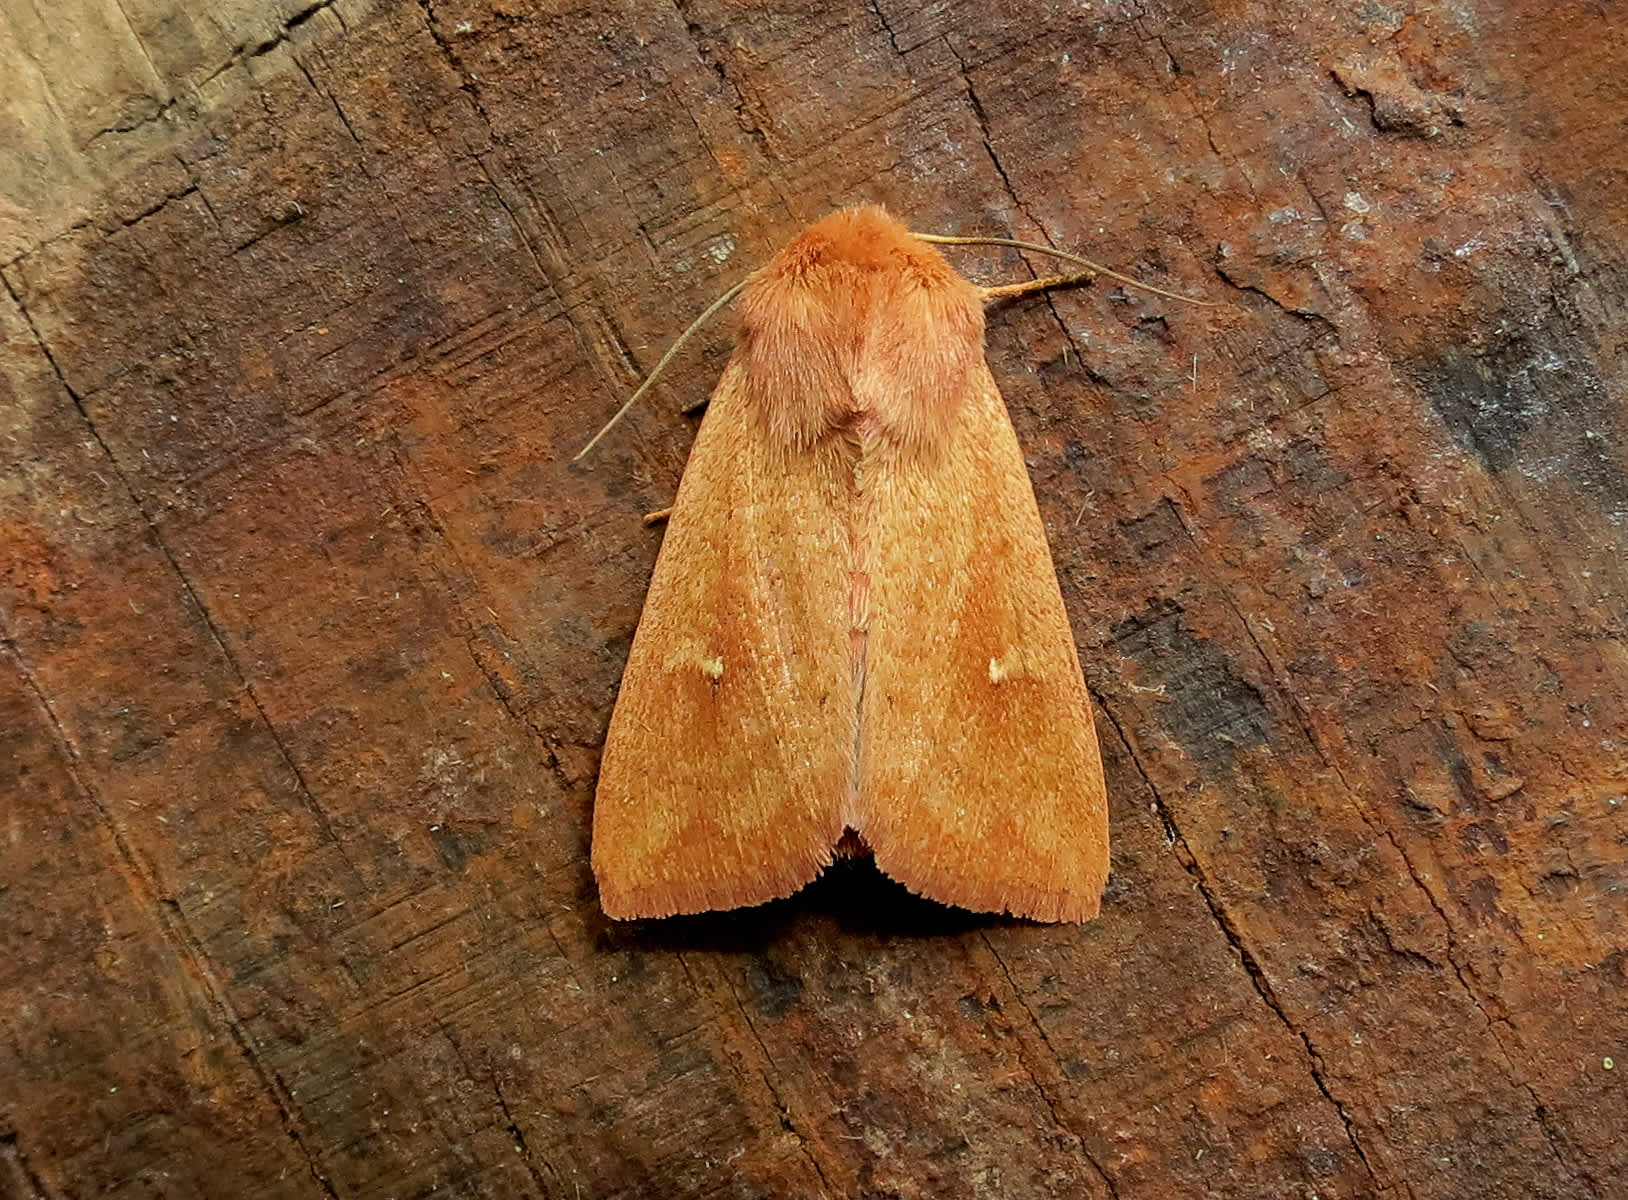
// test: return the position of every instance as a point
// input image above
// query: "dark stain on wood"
(309, 631)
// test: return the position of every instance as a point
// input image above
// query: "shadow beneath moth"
(854, 634)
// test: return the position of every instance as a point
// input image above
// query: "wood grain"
(310, 633)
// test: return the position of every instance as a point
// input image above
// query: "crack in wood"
(1246, 957)
(1034, 1079)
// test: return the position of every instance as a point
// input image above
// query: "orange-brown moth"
(854, 623)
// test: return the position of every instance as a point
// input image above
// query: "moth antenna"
(677, 345)
(1094, 268)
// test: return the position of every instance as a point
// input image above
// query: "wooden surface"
(311, 633)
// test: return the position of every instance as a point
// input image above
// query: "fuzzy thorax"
(856, 326)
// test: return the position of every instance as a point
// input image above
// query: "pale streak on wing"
(730, 752)
(980, 780)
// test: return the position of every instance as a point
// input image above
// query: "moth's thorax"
(858, 327)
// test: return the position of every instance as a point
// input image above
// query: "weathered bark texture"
(311, 632)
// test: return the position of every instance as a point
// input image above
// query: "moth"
(854, 632)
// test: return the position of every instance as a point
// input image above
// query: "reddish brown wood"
(311, 631)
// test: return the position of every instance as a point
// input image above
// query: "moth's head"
(855, 241)
(857, 317)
